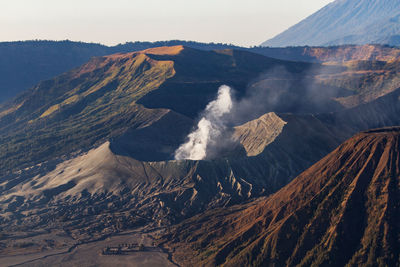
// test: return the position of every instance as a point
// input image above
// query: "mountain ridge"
(41, 60)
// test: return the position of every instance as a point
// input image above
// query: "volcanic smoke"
(209, 128)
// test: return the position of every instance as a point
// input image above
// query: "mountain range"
(345, 22)
(42, 60)
(180, 153)
(100, 132)
(89, 154)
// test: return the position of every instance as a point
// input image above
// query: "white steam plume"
(209, 128)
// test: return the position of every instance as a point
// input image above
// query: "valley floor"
(69, 253)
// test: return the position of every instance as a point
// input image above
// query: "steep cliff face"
(342, 210)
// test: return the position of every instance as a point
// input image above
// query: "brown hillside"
(344, 210)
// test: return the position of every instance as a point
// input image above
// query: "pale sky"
(240, 22)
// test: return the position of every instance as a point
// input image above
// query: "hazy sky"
(240, 22)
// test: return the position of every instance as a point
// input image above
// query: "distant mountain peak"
(345, 22)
